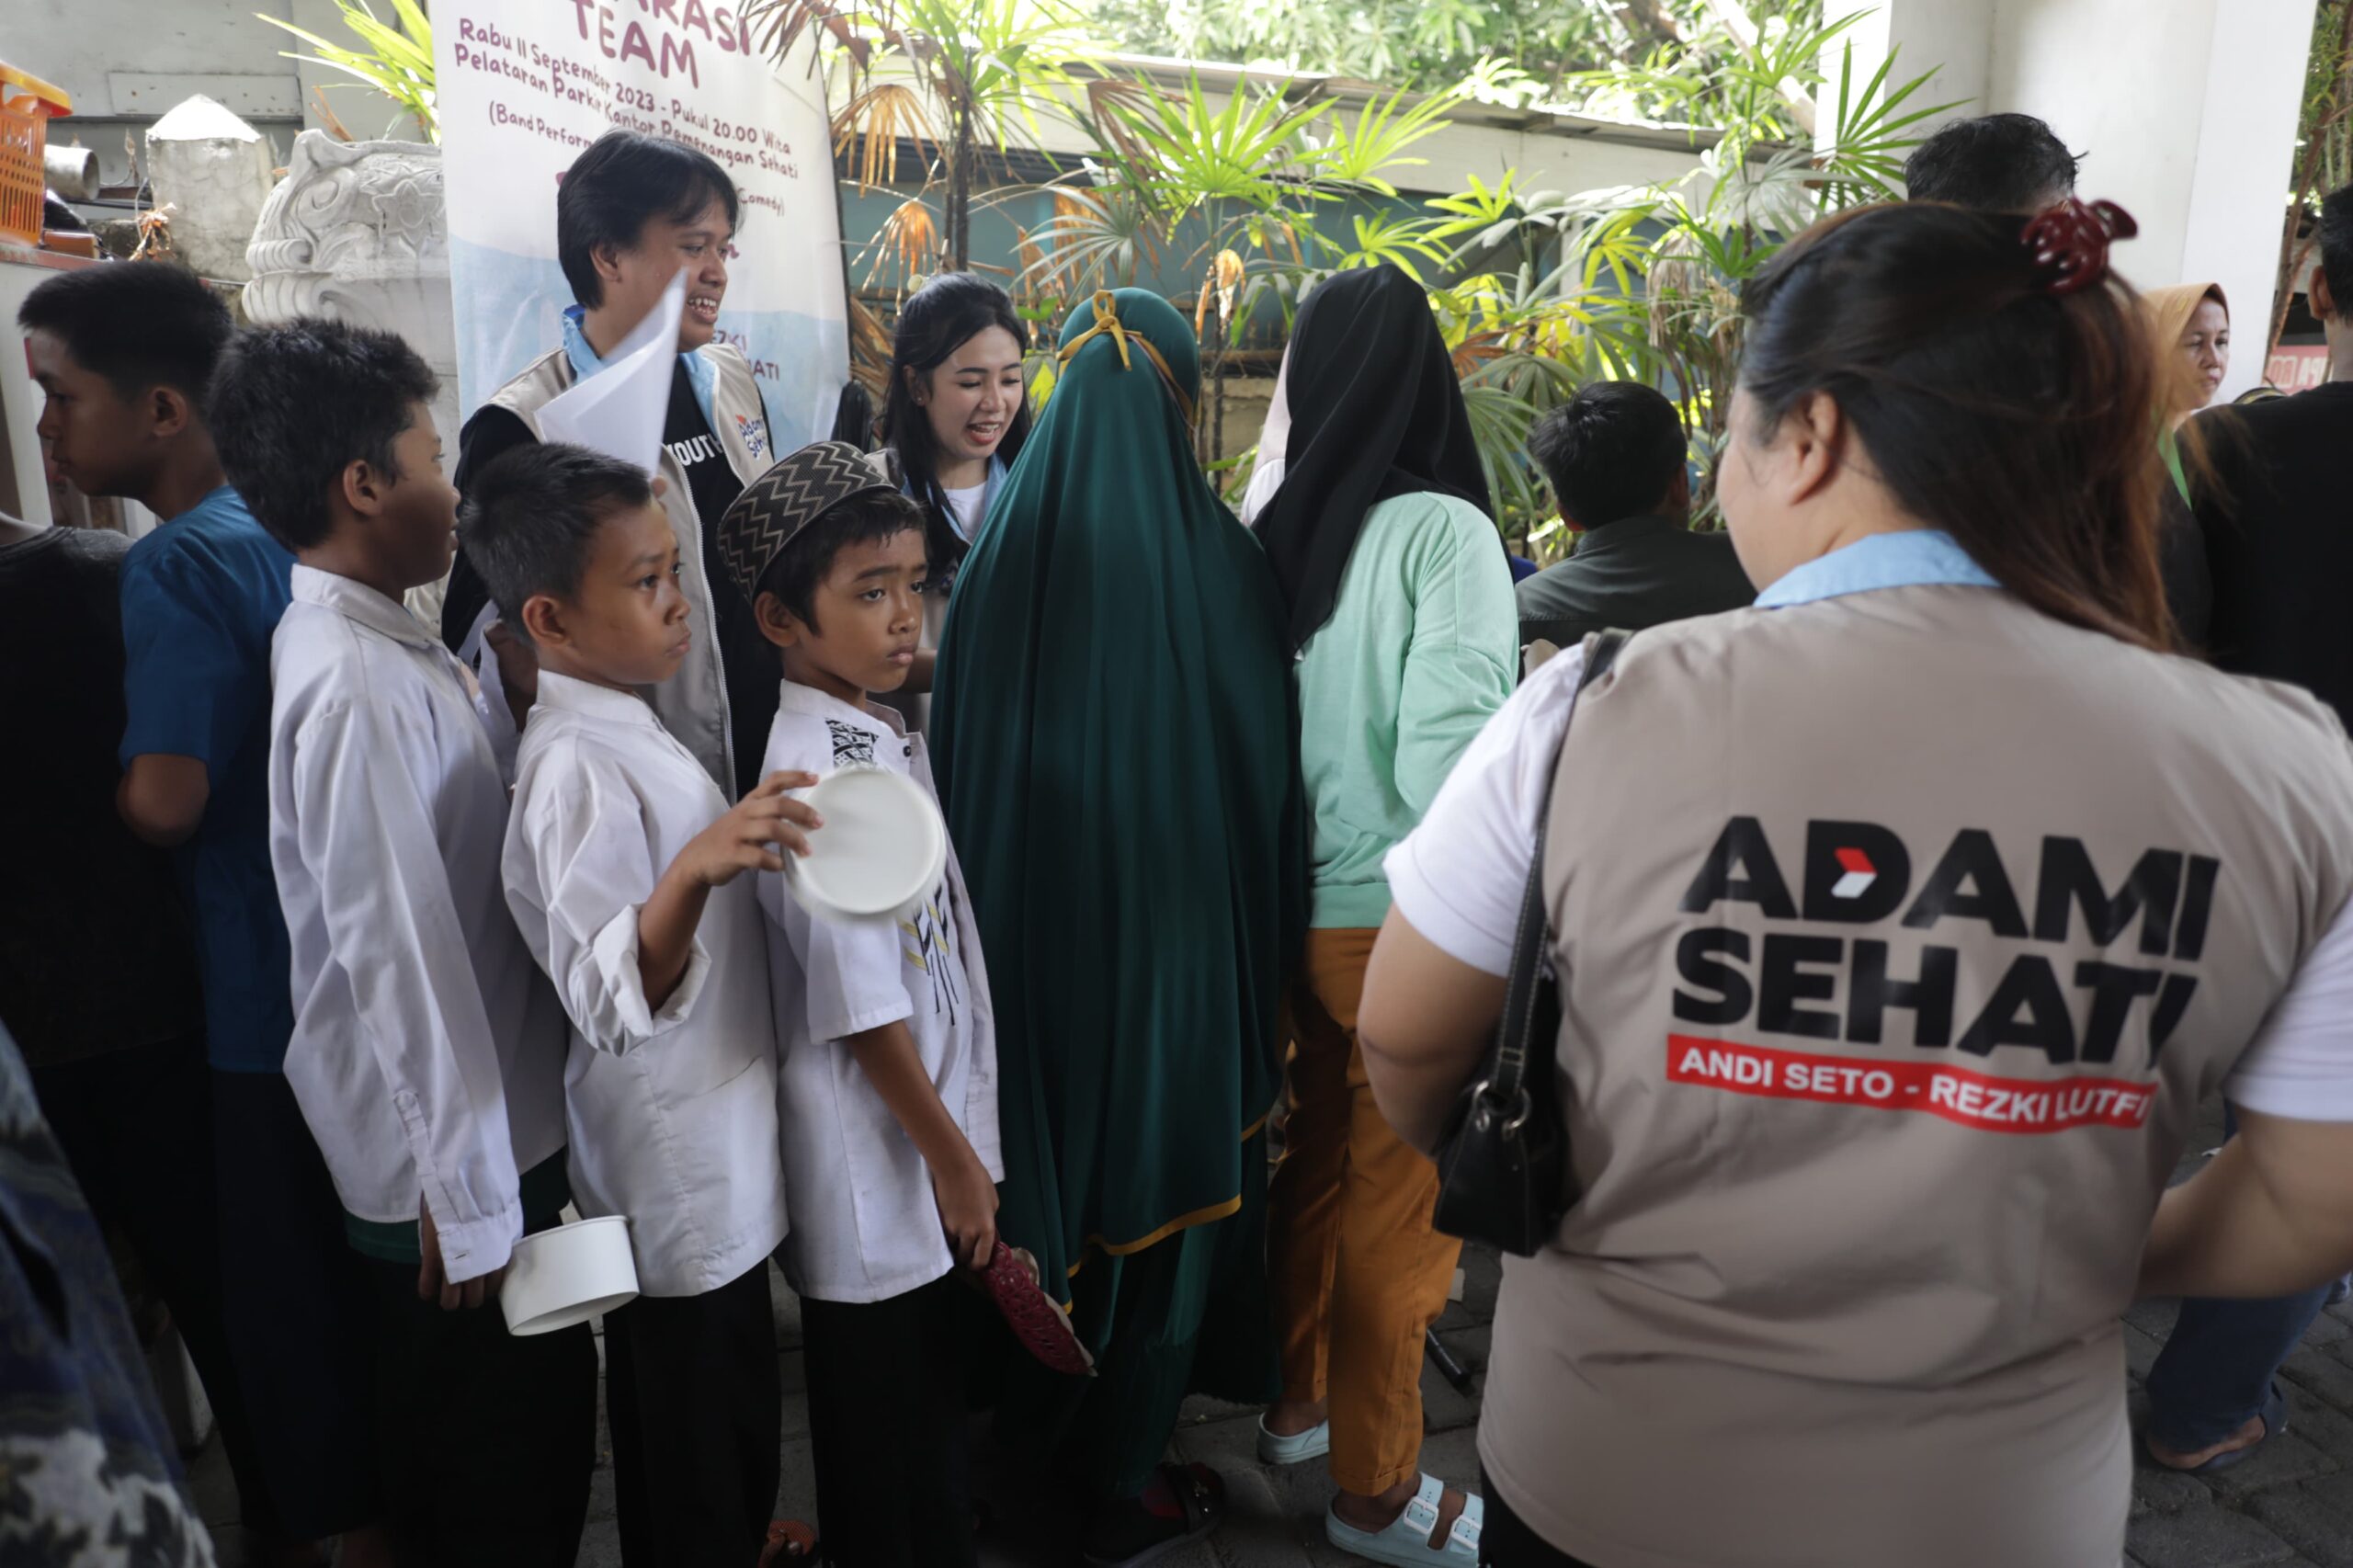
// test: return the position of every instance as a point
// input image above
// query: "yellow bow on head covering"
(1107, 320)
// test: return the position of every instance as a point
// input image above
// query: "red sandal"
(1037, 1319)
(789, 1541)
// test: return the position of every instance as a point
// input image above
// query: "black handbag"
(1503, 1164)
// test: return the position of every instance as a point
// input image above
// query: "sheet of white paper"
(620, 411)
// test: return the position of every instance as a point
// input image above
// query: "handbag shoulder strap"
(1533, 938)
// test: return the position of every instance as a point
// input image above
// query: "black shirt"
(491, 433)
(2181, 561)
(1631, 573)
(96, 953)
(748, 660)
(2279, 526)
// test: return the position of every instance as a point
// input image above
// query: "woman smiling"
(953, 421)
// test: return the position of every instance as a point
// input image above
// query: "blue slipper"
(1406, 1543)
(2275, 1421)
(1297, 1448)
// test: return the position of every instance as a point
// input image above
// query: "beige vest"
(913, 707)
(692, 704)
(1901, 935)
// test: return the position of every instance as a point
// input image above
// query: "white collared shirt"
(865, 1226)
(673, 1112)
(427, 1052)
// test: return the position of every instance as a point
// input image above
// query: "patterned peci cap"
(790, 497)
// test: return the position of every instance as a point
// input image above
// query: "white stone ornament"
(215, 172)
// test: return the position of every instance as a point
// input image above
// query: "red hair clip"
(2070, 243)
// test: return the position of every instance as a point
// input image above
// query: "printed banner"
(526, 85)
(1956, 1094)
(2298, 367)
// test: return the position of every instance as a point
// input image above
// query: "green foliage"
(956, 77)
(1612, 57)
(1242, 154)
(2323, 159)
(2325, 127)
(397, 61)
(1660, 270)
(1263, 194)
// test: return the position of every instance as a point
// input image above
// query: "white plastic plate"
(883, 849)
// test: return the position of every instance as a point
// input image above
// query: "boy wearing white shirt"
(889, 1094)
(427, 1050)
(625, 870)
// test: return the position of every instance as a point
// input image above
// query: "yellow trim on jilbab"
(1215, 1211)
(1106, 318)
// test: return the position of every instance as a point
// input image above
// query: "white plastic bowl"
(568, 1274)
(880, 852)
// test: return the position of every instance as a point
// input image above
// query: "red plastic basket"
(27, 104)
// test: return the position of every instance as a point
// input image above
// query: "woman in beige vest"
(1902, 922)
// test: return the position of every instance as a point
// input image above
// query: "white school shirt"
(427, 1052)
(968, 508)
(672, 1112)
(865, 1226)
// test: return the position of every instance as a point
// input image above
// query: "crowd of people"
(1907, 881)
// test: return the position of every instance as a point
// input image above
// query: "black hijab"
(1375, 413)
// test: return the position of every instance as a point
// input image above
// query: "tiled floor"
(2291, 1505)
(1276, 1515)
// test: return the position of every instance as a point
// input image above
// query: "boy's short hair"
(1610, 452)
(530, 519)
(293, 406)
(612, 189)
(138, 323)
(1995, 163)
(800, 567)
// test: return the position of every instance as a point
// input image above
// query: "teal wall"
(999, 214)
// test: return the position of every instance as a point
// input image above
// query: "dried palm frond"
(1227, 275)
(911, 237)
(1032, 256)
(1105, 99)
(869, 349)
(1224, 281)
(879, 116)
(781, 25)
(1098, 239)
(1479, 348)
(335, 127)
(1677, 274)
(156, 233)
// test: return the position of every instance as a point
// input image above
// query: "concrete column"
(2255, 89)
(2185, 113)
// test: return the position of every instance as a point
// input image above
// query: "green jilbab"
(1113, 740)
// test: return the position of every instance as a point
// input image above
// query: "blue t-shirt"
(201, 598)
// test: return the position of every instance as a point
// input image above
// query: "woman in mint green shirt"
(1398, 597)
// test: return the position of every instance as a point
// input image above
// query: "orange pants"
(1359, 1274)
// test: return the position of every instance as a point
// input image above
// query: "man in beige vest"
(1902, 921)
(632, 210)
